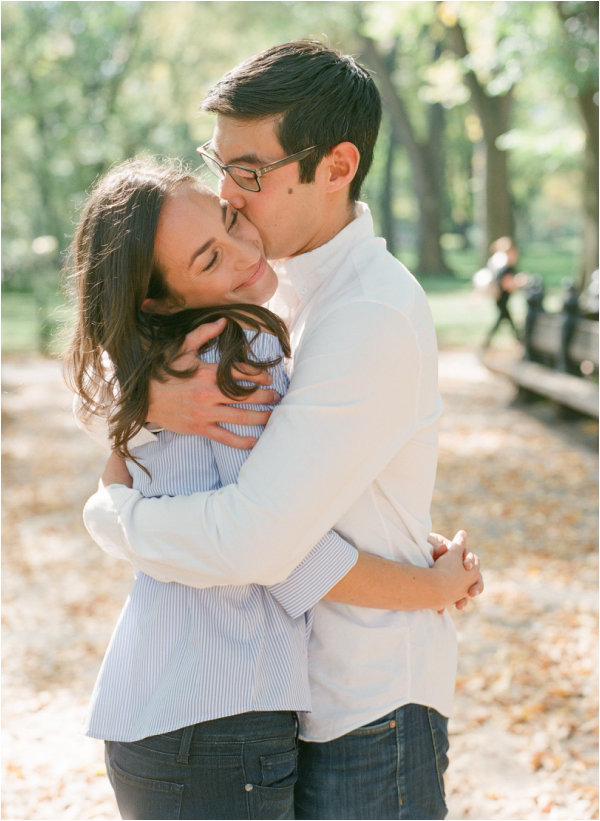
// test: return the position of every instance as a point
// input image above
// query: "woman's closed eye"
(212, 262)
(230, 225)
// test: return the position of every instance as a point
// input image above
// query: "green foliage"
(87, 84)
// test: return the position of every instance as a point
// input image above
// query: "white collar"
(307, 271)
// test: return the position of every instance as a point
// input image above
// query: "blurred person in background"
(505, 280)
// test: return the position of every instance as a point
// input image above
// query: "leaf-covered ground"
(522, 482)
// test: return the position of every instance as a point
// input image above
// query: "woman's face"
(209, 253)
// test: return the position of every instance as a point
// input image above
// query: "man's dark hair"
(324, 98)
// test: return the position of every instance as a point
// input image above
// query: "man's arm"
(351, 406)
(369, 580)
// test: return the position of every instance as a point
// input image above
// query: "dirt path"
(524, 735)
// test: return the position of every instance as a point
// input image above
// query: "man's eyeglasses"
(247, 178)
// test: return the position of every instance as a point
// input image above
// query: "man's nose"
(231, 191)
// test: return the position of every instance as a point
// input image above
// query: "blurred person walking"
(504, 255)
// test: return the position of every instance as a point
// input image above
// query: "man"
(352, 445)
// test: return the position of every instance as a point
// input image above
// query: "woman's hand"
(115, 472)
(197, 406)
(460, 559)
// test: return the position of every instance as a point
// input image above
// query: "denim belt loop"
(183, 755)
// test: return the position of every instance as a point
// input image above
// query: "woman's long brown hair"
(116, 348)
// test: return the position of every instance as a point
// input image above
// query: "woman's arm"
(115, 472)
(383, 583)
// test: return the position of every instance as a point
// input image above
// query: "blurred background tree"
(490, 120)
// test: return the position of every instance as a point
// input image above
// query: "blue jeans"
(391, 768)
(242, 766)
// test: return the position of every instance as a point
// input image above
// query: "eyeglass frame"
(257, 173)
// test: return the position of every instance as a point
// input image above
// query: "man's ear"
(342, 164)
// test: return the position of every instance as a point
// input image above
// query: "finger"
(460, 538)
(229, 415)
(440, 545)
(461, 604)
(232, 440)
(261, 396)
(468, 561)
(260, 377)
(437, 540)
(205, 371)
(477, 588)
(475, 563)
(438, 551)
(203, 334)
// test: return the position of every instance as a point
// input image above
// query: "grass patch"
(462, 317)
(32, 325)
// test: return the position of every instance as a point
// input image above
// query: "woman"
(198, 691)
(504, 255)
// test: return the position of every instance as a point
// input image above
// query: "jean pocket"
(143, 797)
(274, 796)
(279, 769)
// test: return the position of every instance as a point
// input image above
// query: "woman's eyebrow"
(209, 242)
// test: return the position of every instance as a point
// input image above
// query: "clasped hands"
(450, 557)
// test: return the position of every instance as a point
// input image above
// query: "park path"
(524, 485)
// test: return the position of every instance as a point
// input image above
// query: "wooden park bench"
(560, 360)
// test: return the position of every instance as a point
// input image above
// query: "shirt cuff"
(101, 519)
(326, 564)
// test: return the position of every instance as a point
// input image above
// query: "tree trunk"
(499, 221)
(427, 184)
(386, 200)
(431, 200)
(431, 258)
(589, 257)
(588, 106)
(494, 114)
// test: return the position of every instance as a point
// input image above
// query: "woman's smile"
(257, 272)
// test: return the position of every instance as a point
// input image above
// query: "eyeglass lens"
(245, 178)
(213, 165)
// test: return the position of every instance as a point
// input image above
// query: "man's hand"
(197, 406)
(441, 545)
(115, 472)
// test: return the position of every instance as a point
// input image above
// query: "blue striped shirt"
(181, 655)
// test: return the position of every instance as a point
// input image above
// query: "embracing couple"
(286, 649)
